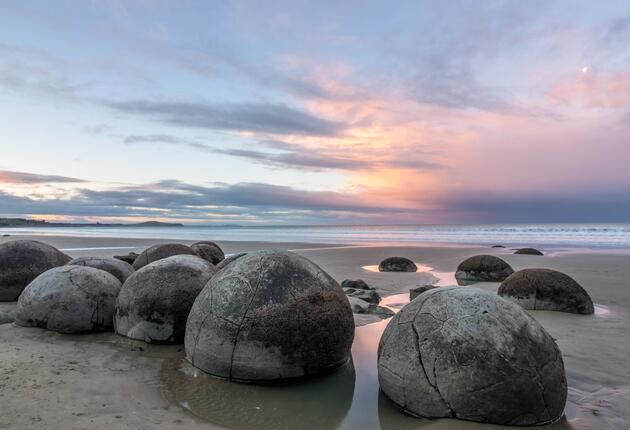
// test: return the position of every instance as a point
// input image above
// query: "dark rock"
(546, 290)
(118, 268)
(21, 261)
(6, 235)
(154, 303)
(370, 296)
(528, 251)
(129, 258)
(270, 315)
(158, 252)
(357, 284)
(210, 253)
(498, 246)
(359, 306)
(397, 264)
(462, 353)
(483, 268)
(69, 299)
(229, 260)
(415, 292)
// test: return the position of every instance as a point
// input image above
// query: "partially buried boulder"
(357, 284)
(546, 290)
(462, 353)
(230, 260)
(528, 251)
(397, 264)
(483, 268)
(118, 268)
(271, 315)
(154, 302)
(415, 292)
(209, 251)
(129, 258)
(21, 261)
(158, 252)
(69, 299)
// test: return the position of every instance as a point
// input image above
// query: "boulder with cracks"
(120, 269)
(462, 353)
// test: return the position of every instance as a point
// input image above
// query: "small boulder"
(462, 353)
(158, 252)
(118, 268)
(483, 268)
(528, 251)
(210, 253)
(546, 290)
(69, 299)
(129, 258)
(359, 306)
(397, 264)
(498, 246)
(229, 260)
(21, 261)
(415, 292)
(270, 315)
(154, 302)
(370, 296)
(357, 284)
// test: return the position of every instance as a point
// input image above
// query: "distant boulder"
(483, 268)
(209, 251)
(21, 261)
(129, 258)
(118, 268)
(546, 290)
(357, 284)
(528, 251)
(397, 264)
(498, 246)
(160, 251)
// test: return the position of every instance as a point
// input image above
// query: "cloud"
(22, 178)
(242, 117)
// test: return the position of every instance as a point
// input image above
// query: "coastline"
(103, 380)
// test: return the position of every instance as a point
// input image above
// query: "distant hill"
(21, 222)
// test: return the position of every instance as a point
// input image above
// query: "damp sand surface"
(49, 380)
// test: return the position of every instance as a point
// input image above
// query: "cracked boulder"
(546, 290)
(69, 299)
(154, 302)
(21, 261)
(528, 251)
(270, 315)
(462, 353)
(483, 268)
(397, 264)
(160, 251)
(118, 268)
(209, 251)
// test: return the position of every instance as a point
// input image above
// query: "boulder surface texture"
(209, 252)
(160, 251)
(397, 264)
(483, 268)
(118, 268)
(21, 261)
(270, 315)
(546, 290)
(462, 353)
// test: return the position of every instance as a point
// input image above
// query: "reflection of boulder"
(482, 268)
(391, 417)
(528, 251)
(397, 264)
(316, 403)
(546, 290)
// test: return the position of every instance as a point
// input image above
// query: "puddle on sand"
(602, 311)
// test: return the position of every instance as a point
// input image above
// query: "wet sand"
(49, 380)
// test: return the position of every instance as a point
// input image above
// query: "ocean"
(549, 235)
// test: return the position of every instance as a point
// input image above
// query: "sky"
(291, 112)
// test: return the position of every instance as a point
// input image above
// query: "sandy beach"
(49, 380)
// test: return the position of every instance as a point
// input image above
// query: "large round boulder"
(154, 302)
(21, 261)
(483, 268)
(229, 260)
(462, 353)
(270, 315)
(118, 268)
(208, 251)
(397, 264)
(546, 290)
(160, 251)
(69, 299)
(528, 251)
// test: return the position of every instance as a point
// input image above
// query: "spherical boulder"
(528, 251)
(270, 315)
(229, 260)
(69, 299)
(21, 261)
(129, 258)
(211, 253)
(397, 264)
(462, 353)
(356, 284)
(546, 290)
(118, 268)
(160, 251)
(483, 268)
(154, 302)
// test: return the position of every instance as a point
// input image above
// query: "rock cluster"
(483, 268)
(360, 290)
